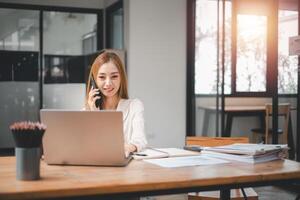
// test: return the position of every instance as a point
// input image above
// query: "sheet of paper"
(186, 161)
(172, 152)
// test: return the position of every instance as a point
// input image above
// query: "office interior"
(174, 57)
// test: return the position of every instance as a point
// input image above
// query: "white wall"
(156, 62)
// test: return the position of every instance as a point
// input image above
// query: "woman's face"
(108, 79)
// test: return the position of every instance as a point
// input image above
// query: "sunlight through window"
(287, 65)
(206, 48)
(251, 53)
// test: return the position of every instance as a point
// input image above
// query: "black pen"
(140, 154)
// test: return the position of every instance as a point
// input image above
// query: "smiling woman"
(110, 82)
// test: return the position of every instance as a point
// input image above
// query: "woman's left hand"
(129, 148)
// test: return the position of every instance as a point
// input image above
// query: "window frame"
(270, 55)
(109, 11)
(190, 73)
(237, 8)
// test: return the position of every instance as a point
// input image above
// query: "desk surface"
(139, 177)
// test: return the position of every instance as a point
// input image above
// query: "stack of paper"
(250, 153)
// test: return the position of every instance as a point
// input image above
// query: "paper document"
(244, 158)
(248, 149)
(151, 153)
(186, 161)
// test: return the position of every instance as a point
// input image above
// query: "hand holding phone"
(94, 86)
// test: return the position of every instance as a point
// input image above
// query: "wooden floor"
(264, 193)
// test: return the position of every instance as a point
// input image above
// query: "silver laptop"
(83, 137)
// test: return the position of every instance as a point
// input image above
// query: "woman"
(110, 77)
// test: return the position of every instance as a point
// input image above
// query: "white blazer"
(133, 122)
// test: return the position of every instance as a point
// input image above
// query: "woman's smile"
(108, 90)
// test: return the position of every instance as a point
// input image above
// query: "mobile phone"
(98, 101)
(193, 148)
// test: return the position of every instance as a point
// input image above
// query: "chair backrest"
(215, 141)
(283, 108)
(284, 111)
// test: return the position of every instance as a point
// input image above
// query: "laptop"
(83, 137)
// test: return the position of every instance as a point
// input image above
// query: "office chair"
(265, 132)
(236, 194)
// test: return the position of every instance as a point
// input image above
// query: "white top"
(133, 122)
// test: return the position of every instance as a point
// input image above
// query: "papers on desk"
(175, 157)
(186, 161)
(151, 153)
(249, 153)
(248, 149)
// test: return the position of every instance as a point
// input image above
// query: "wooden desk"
(244, 111)
(140, 178)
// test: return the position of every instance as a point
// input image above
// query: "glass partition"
(208, 71)
(19, 55)
(287, 74)
(69, 40)
(287, 65)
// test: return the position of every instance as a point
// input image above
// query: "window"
(251, 55)
(206, 47)
(287, 65)
(248, 60)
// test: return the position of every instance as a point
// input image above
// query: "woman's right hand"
(92, 98)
